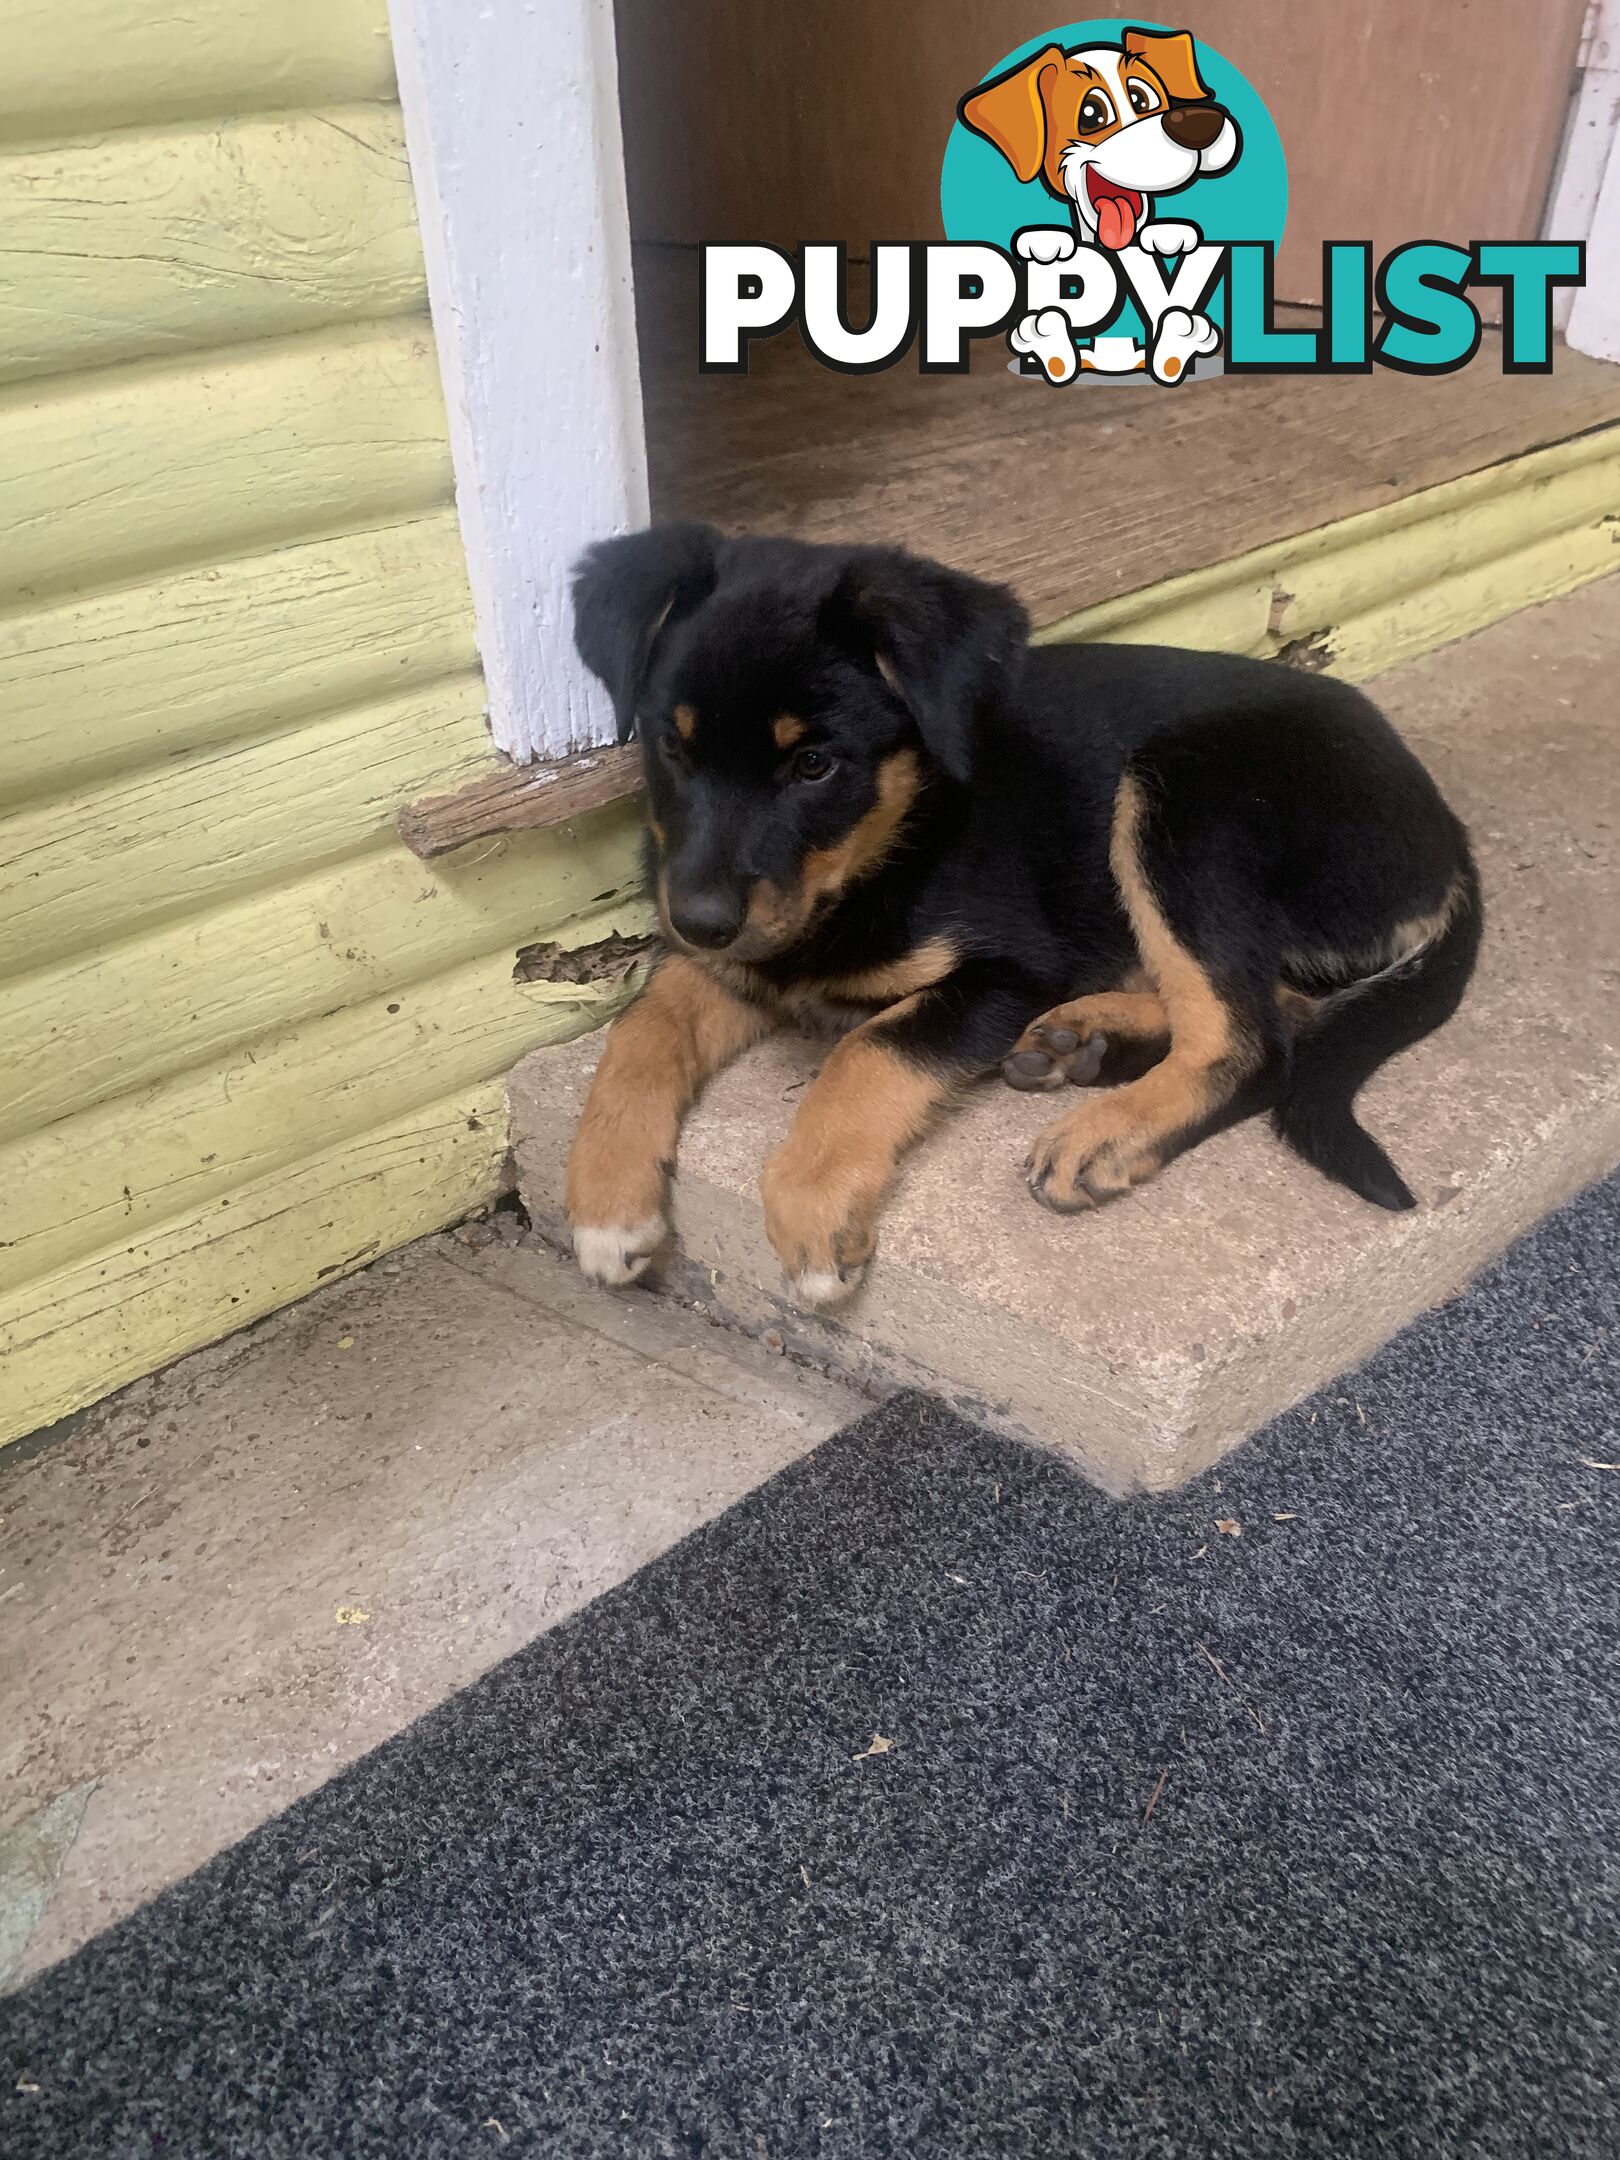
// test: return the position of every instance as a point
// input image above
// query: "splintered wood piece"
(519, 798)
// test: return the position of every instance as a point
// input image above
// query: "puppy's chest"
(830, 1005)
(819, 1010)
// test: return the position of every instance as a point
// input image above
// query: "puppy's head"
(1108, 127)
(795, 706)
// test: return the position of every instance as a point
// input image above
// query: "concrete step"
(1148, 1340)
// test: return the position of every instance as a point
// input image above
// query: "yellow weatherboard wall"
(246, 1040)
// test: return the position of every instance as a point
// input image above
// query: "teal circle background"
(982, 198)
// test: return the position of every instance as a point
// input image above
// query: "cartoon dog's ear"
(626, 591)
(1172, 57)
(947, 645)
(1011, 112)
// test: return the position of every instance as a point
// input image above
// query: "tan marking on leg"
(826, 873)
(1121, 1138)
(787, 729)
(685, 722)
(822, 1186)
(682, 1029)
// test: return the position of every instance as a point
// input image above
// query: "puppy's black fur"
(854, 758)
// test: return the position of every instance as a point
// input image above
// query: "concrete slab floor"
(224, 1583)
(1148, 1339)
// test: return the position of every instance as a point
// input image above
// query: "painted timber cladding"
(246, 1040)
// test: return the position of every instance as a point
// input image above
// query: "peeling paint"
(1313, 653)
(609, 959)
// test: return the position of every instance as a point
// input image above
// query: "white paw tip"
(616, 1253)
(817, 1287)
(1046, 243)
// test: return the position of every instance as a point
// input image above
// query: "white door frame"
(1585, 198)
(512, 123)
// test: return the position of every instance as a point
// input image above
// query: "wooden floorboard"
(1072, 496)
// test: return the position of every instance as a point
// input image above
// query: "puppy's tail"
(1355, 1030)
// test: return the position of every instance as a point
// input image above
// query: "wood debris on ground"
(352, 1616)
(1228, 1526)
(1592, 1463)
(877, 1746)
(1221, 1673)
(1153, 1798)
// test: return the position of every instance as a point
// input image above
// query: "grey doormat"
(928, 1803)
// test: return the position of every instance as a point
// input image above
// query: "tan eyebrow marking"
(685, 722)
(787, 731)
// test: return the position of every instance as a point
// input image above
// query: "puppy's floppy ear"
(1173, 58)
(626, 591)
(1011, 112)
(948, 645)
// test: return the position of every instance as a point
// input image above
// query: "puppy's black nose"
(709, 920)
(1194, 127)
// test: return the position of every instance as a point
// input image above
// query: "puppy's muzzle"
(1194, 127)
(708, 918)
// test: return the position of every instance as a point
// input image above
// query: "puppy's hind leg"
(1099, 1040)
(1199, 931)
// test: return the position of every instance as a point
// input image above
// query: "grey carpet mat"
(928, 1803)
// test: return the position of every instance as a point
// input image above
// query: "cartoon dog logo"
(1107, 130)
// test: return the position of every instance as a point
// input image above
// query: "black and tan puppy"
(875, 811)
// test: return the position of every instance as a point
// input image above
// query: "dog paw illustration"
(1179, 339)
(1045, 243)
(614, 1254)
(1046, 337)
(1169, 236)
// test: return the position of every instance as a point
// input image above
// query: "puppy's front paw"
(822, 1236)
(1046, 338)
(614, 1254)
(1169, 236)
(1045, 243)
(617, 1204)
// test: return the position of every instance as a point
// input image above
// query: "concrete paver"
(1150, 1338)
(228, 1581)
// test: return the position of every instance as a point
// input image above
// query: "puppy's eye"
(812, 764)
(672, 746)
(1095, 112)
(1141, 97)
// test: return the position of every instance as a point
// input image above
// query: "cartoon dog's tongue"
(1118, 209)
